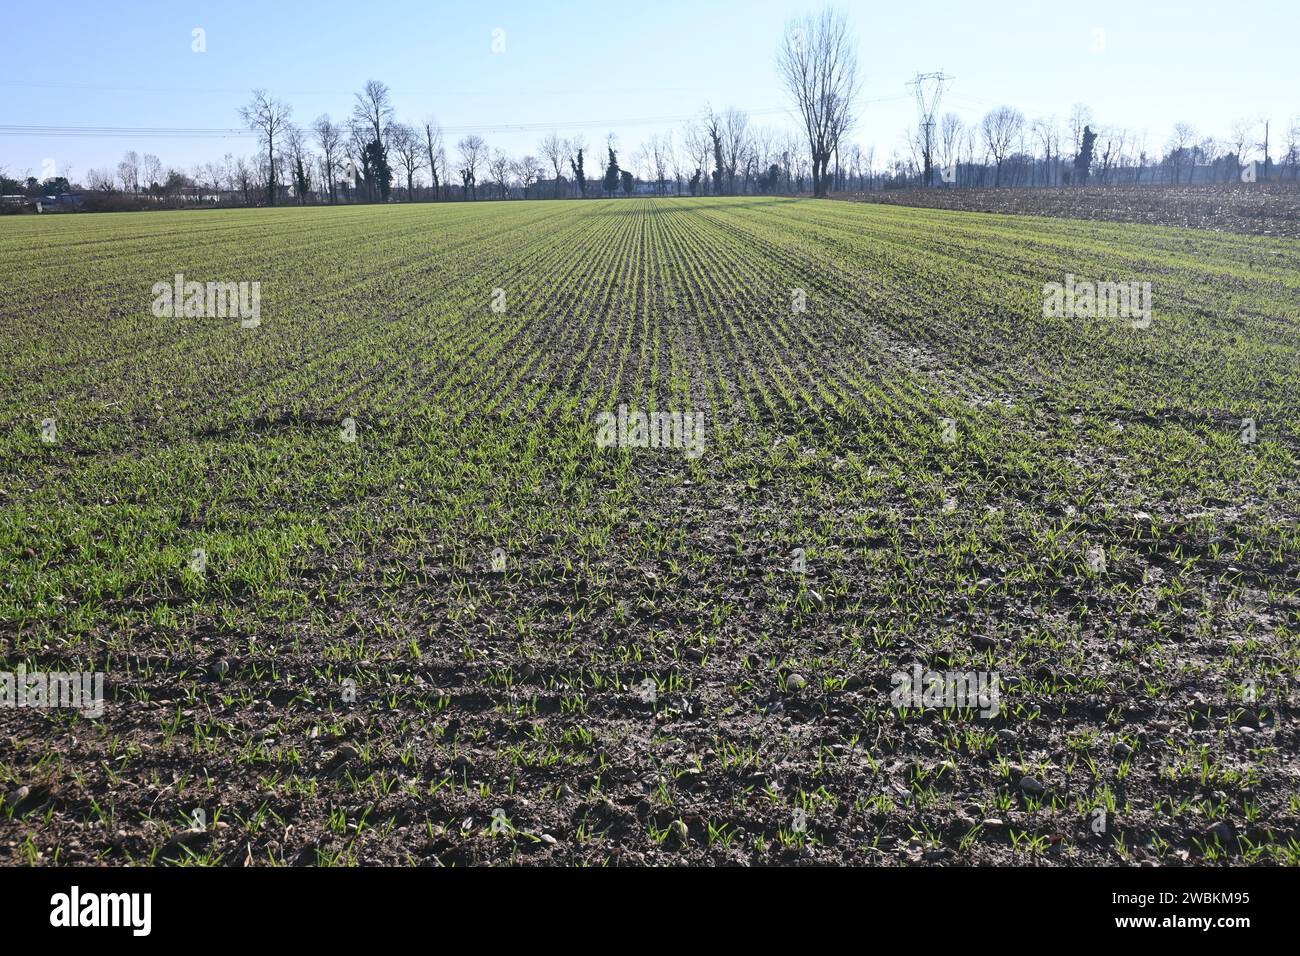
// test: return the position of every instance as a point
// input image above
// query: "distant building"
(64, 202)
(552, 188)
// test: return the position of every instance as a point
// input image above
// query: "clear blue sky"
(130, 64)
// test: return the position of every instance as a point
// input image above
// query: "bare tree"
(1139, 154)
(1207, 150)
(1112, 140)
(1242, 141)
(855, 167)
(950, 128)
(208, 177)
(330, 140)
(152, 170)
(713, 129)
(409, 149)
(528, 171)
(128, 171)
(734, 140)
(762, 142)
(1048, 137)
(1293, 147)
(269, 118)
(1180, 142)
(820, 70)
(244, 179)
(298, 159)
(1001, 127)
(1080, 117)
(359, 163)
(373, 110)
(915, 141)
(99, 180)
(577, 147)
(698, 148)
(433, 146)
(556, 152)
(658, 160)
(472, 152)
(677, 160)
(790, 153)
(499, 167)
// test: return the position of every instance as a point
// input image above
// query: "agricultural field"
(1263, 209)
(387, 573)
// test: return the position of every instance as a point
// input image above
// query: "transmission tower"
(929, 91)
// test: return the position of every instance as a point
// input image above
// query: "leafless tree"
(1293, 147)
(1080, 116)
(499, 167)
(528, 171)
(658, 159)
(949, 142)
(678, 161)
(433, 147)
(791, 150)
(1112, 148)
(1139, 154)
(556, 152)
(409, 150)
(1242, 141)
(373, 111)
(819, 67)
(473, 151)
(712, 125)
(99, 180)
(358, 136)
(854, 160)
(374, 108)
(1048, 136)
(152, 170)
(915, 140)
(128, 172)
(698, 147)
(269, 118)
(299, 161)
(330, 140)
(576, 145)
(763, 140)
(1207, 150)
(1180, 143)
(244, 177)
(209, 175)
(1001, 127)
(735, 140)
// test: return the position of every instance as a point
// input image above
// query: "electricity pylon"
(929, 90)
